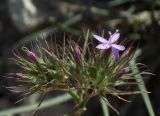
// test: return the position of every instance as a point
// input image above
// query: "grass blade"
(104, 107)
(29, 108)
(142, 85)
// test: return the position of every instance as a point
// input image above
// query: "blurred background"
(24, 21)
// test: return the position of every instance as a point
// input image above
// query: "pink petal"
(99, 38)
(119, 47)
(115, 54)
(103, 46)
(114, 37)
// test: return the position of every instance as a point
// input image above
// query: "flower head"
(111, 43)
(80, 71)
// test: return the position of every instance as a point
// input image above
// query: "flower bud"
(122, 71)
(76, 53)
(30, 54)
(126, 53)
(16, 75)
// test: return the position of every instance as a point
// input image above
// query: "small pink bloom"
(106, 44)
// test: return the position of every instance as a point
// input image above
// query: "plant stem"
(75, 96)
(79, 108)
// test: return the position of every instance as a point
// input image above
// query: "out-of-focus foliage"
(138, 20)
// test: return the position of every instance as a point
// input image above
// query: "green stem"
(75, 96)
(79, 108)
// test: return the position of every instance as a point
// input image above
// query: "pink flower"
(111, 43)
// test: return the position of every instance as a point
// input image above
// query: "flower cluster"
(83, 72)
